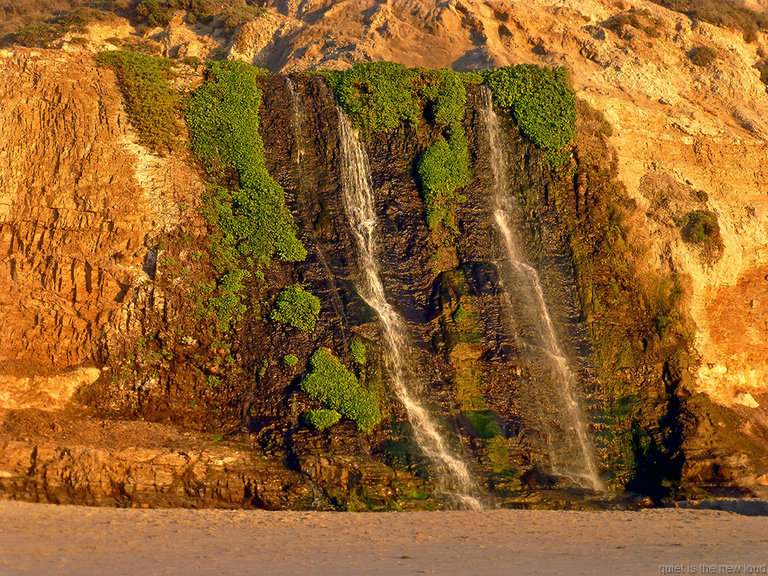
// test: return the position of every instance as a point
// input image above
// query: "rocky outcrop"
(81, 204)
(65, 460)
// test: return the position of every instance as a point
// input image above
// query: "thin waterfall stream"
(359, 202)
(570, 449)
(298, 123)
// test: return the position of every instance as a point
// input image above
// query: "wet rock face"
(427, 275)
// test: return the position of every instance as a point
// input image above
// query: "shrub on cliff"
(443, 168)
(729, 13)
(296, 307)
(337, 388)
(54, 25)
(250, 218)
(444, 94)
(762, 67)
(702, 227)
(702, 55)
(633, 18)
(541, 102)
(152, 105)
(377, 96)
(159, 12)
(223, 117)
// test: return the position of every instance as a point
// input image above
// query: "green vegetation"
(53, 25)
(290, 360)
(443, 168)
(192, 62)
(762, 67)
(233, 17)
(444, 94)
(700, 226)
(484, 423)
(637, 321)
(138, 45)
(667, 303)
(296, 307)
(498, 455)
(466, 385)
(249, 219)
(357, 350)
(337, 388)
(223, 117)
(702, 55)
(633, 18)
(152, 105)
(159, 12)
(377, 96)
(38, 22)
(381, 96)
(541, 102)
(460, 314)
(322, 419)
(212, 382)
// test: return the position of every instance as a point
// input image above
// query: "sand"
(47, 539)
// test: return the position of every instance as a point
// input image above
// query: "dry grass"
(37, 22)
(728, 13)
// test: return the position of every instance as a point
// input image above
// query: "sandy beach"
(47, 539)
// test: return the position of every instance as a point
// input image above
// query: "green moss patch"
(322, 419)
(337, 388)
(296, 307)
(357, 351)
(484, 423)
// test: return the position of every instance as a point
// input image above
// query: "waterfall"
(298, 127)
(570, 449)
(297, 119)
(360, 207)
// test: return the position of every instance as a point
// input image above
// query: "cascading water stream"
(298, 122)
(360, 206)
(571, 451)
(297, 118)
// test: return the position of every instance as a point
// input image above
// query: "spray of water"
(571, 452)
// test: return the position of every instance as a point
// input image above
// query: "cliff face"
(99, 239)
(80, 198)
(671, 118)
